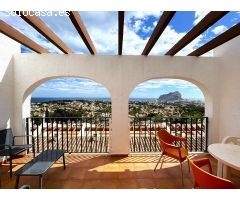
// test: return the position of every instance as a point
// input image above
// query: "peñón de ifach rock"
(170, 97)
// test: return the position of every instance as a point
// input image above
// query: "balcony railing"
(74, 135)
(91, 135)
(144, 138)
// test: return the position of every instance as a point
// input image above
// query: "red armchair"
(206, 180)
(179, 153)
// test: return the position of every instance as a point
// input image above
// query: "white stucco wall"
(8, 47)
(229, 118)
(120, 75)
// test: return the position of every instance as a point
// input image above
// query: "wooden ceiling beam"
(219, 40)
(43, 29)
(81, 29)
(162, 24)
(204, 24)
(11, 32)
(120, 31)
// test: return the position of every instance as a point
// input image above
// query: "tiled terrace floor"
(89, 171)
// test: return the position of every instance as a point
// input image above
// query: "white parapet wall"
(8, 47)
(229, 118)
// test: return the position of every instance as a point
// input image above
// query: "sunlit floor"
(89, 171)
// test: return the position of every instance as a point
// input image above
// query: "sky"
(103, 30)
(80, 87)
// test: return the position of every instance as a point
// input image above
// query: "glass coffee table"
(39, 165)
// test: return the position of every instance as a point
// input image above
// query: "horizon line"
(110, 97)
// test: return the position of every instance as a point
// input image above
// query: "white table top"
(228, 154)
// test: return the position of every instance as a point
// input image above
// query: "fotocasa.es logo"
(38, 13)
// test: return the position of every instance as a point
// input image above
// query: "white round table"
(227, 155)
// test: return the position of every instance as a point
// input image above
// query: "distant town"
(167, 105)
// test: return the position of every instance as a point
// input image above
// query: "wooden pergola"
(210, 19)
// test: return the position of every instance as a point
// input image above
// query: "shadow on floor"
(104, 171)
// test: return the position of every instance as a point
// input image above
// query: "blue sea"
(47, 99)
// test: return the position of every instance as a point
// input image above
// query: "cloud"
(196, 43)
(141, 14)
(71, 87)
(64, 29)
(168, 38)
(27, 30)
(137, 31)
(219, 29)
(103, 30)
(199, 15)
(160, 83)
(71, 84)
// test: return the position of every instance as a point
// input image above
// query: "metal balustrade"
(91, 134)
(74, 135)
(143, 132)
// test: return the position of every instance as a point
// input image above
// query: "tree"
(47, 115)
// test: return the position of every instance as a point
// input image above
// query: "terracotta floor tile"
(128, 184)
(146, 183)
(110, 183)
(73, 184)
(91, 184)
(94, 171)
(109, 175)
(76, 173)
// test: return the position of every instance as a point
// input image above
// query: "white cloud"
(196, 43)
(17, 23)
(63, 28)
(137, 25)
(219, 29)
(160, 83)
(141, 14)
(199, 15)
(103, 30)
(70, 83)
(74, 86)
(133, 43)
(168, 38)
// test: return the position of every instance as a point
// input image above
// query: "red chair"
(179, 153)
(206, 180)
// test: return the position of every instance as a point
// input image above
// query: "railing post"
(27, 131)
(206, 133)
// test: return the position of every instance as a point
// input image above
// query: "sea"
(47, 99)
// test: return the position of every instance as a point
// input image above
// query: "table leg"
(220, 169)
(64, 165)
(225, 168)
(0, 176)
(17, 182)
(41, 182)
(10, 159)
